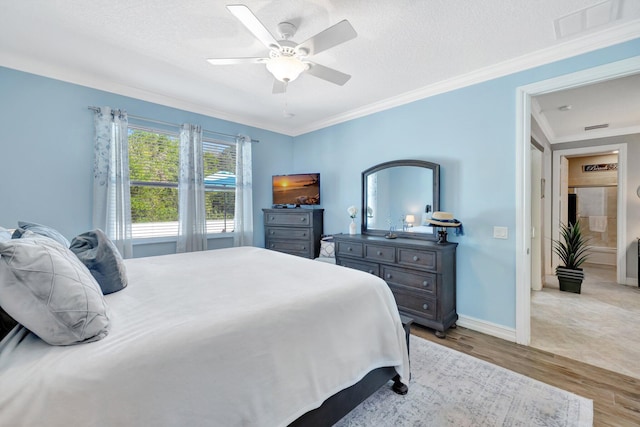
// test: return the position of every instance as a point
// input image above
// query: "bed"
(230, 337)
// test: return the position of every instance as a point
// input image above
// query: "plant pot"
(570, 280)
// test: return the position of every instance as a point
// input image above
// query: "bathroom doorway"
(593, 204)
(597, 177)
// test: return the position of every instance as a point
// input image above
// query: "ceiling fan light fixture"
(286, 68)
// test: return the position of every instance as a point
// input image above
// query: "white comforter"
(230, 337)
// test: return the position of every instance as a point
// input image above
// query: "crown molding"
(568, 49)
(596, 134)
(31, 66)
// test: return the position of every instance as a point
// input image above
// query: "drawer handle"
(388, 275)
(304, 234)
(272, 218)
(379, 253)
(425, 283)
(304, 248)
(415, 258)
(425, 306)
(349, 249)
(272, 232)
(370, 271)
(304, 218)
(273, 245)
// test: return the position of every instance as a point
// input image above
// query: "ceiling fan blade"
(279, 87)
(332, 36)
(328, 74)
(234, 61)
(249, 20)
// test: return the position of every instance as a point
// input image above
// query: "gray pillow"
(43, 230)
(46, 288)
(98, 253)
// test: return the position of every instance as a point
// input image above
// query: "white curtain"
(111, 197)
(243, 235)
(192, 229)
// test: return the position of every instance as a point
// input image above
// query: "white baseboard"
(488, 328)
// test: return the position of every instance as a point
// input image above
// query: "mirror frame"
(434, 167)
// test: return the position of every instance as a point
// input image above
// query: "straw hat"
(443, 219)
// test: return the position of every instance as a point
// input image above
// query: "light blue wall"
(471, 133)
(46, 163)
(46, 153)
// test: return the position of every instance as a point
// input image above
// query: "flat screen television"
(297, 189)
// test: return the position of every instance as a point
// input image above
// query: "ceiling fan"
(286, 59)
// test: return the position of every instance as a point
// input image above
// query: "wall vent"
(602, 126)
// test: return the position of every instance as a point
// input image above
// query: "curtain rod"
(159, 122)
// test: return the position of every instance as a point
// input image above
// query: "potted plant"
(572, 249)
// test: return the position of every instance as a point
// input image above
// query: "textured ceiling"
(405, 49)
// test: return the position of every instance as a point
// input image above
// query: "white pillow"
(46, 288)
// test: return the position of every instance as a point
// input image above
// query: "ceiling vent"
(588, 18)
(602, 126)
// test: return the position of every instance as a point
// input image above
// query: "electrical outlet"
(500, 232)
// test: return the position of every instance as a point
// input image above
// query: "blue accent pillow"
(100, 255)
(43, 230)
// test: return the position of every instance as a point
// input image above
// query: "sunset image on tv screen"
(303, 189)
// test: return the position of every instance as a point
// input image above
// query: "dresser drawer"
(301, 219)
(415, 303)
(414, 279)
(416, 258)
(287, 233)
(362, 266)
(349, 248)
(291, 247)
(380, 253)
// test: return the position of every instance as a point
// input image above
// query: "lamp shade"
(286, 68)
(410, 219)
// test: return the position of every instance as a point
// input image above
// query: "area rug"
(449, 388)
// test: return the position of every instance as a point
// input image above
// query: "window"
(220, 184)
(154, 157)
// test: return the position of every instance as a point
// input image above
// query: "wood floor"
(616, 398)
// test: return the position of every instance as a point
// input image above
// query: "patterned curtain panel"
(111, 199)
(192, 228)
(243, 235)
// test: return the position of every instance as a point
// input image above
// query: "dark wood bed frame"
(340, 404)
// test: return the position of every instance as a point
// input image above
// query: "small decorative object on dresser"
(444, 220)
(420, 273)
(353, 212)
(293, 231)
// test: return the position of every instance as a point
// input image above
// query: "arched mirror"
(398, 197)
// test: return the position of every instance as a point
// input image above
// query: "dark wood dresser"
(420, 273)
(293, 231)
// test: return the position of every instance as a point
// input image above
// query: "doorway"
(562, 186)
(523, 179)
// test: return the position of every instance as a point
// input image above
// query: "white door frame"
(621, 249)
(523, 174)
